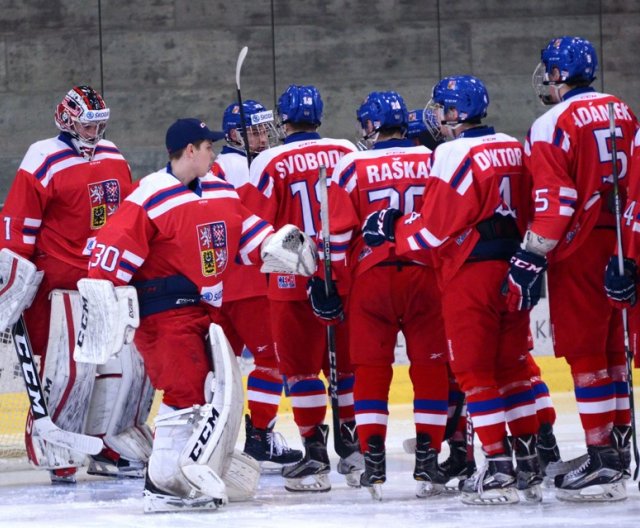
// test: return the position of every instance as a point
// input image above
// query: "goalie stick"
(625, 319)
(43, 426)
(245, 136)
(340, 447)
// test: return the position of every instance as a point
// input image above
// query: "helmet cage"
(83, 115)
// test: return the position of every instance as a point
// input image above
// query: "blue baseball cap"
(189, 130)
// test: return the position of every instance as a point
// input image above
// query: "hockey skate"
(269, 448)
(312, 472)
(63, 475)
(429, 476)
(374, 474)
(352, 465)
(108, 463)
(621, 441)
(456, 467)
(547, 449)
(598, 479)
(156, 500)
(495, 483)
(528, 474)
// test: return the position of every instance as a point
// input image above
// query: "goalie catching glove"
(110, 316)
(289, 250)
(19, 282)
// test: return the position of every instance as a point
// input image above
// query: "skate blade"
(311, 483)
(491, 497)
(425, 489)
(159, 503)
(613, 492)
(112, 471)
(375, 491)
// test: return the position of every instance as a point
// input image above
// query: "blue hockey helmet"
(384, 110)
(258, 122)
(300, 104)
(254, 114)
(462, 98)
(416, 124)
(574, 57)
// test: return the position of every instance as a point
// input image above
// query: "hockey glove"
(379, 227)
(621, 290)
(523, 284)
(326, 307)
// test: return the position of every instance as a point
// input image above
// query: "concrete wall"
(156, 60)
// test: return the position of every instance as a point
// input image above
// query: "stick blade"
(51, 433)
(241, 57)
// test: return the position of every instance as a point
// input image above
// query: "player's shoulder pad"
(39, 152)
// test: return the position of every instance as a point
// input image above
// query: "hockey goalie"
(110, 400)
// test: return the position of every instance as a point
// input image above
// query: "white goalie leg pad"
(66, 384)
(289, 250)
(120, 404)
(109, 318)
(174, 430)
(241, 477)
(19, 281)
(208, 454)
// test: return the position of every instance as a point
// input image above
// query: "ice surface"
(27, 498)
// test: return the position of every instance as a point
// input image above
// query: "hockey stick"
(43, 426)
(245, 136)
(340, 447)
(625, 319)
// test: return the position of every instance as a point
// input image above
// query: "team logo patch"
(104, 199)
(212, 239)
(286, 281)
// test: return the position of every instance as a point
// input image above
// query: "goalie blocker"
(194, 464)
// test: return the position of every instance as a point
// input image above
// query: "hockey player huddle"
(121, 286)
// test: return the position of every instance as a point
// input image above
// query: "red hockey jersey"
(165, 229)
(568, 153)
(59, 201)
(286, 180)
(393, 174)
(472, 179)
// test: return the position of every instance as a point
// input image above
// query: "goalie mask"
(456, 100)
(382, 111)
(83, 115)
(259, 123)
(565, 60)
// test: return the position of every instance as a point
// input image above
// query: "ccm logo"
(527, 266)
(204, 437)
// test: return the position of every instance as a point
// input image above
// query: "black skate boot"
(495, 483)
(621, 440)
(431, 479)
(268, 448)
(312, 472)
(456, 467)
(375, 473)
(352, 465)
(599, 479)
(547, 447)
(109, 463)
(528, 474)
